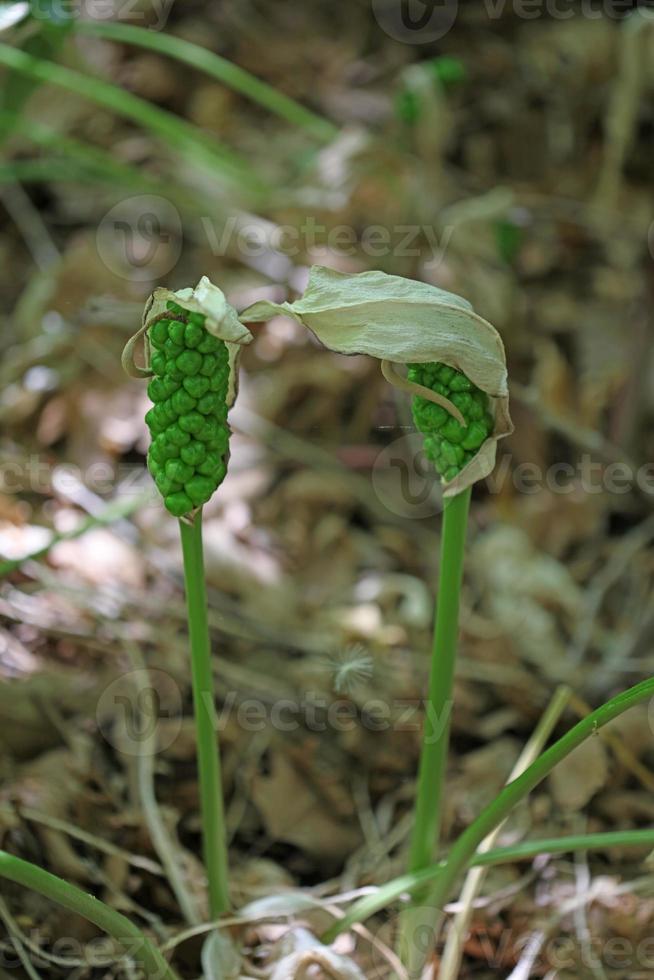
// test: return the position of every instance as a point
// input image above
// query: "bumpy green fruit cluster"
(188, 423)
(449, 445)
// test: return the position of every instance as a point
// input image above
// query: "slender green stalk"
(178, 134)
(433, 759)
(462, 854)
(125, 933)
(562, 845)
(436, 736)
(220, 68)
(206, 721)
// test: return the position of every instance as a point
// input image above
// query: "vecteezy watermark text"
(131, 719)
(140, 238)
(34, 474)
(317, 713)
(402, 478)
(495, 949)
(255, 239)
(72, 953)
(153, 14)
(425, 21)
(407, 484)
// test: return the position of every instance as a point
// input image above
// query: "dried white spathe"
(221, 320)
(404, 321)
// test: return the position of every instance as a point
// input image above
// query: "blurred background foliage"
(509, 160)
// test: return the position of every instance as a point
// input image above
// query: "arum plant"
(192, 340)
(456, 373)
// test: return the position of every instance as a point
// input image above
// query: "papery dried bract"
(405, 321)
(221, 321)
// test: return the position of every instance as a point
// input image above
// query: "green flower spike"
(450, 444)
(455, 360)
(192, 341)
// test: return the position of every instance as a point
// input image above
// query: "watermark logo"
(425, 21)
(416, 21)
(410, 934)
(140, 713)
(140, 238)
(405, 481)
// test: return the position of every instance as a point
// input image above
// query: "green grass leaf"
(224, 71)
(180, 136)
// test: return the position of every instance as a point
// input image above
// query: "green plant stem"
(463, 851)
(433, 758)
(562, 845)
(134, 943)
(206, 721)
(436, 737)
(219, 68)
